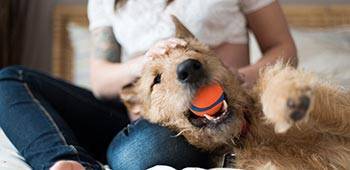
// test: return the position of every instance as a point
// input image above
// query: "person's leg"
(40, 115)
(94, 122)
(142, 145)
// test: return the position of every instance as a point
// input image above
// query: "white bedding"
(325, 52)
(9, 158)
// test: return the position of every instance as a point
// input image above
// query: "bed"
(314, 27)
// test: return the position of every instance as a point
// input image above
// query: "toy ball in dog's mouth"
(209, 104)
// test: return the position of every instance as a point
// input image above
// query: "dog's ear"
(131, 99)
(181, 30)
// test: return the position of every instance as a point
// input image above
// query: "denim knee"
(142, 145)
(9, 78)
(11, 72)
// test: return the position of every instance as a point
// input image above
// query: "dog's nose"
(189, 71)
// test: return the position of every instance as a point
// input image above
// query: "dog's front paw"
(285, 108)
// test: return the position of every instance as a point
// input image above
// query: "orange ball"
(208, 100)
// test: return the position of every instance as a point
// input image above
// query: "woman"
(55, 125)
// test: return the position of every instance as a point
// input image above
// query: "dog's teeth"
(208, 117)
(223, 111)
(224, 108)
(218, 118)
(225, 105)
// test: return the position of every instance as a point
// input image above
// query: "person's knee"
(144, 145)
(10, 78)
(11, 72)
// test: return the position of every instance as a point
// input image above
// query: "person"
(56, 125)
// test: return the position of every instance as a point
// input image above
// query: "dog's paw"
(299, 107)
(289, 107)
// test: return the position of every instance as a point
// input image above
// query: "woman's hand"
(242, 78)
(159, 49)
(136, 65)
(163, 47)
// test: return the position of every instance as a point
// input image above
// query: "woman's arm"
(271, 31)
(107, 76)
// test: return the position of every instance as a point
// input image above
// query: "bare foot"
(67, 165)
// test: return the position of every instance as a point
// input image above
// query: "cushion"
(322, 51)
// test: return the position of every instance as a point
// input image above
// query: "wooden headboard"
(313, 16)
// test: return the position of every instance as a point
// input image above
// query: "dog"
(289, 120)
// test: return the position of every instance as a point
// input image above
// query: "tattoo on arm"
(105, 46)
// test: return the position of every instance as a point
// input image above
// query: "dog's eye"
(156, 80)
(197, 51)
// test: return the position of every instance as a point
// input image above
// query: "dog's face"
(169, 83)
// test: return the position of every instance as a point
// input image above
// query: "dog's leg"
(331, 112)
(293, 97)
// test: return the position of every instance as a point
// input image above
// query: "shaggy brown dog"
(290, 120)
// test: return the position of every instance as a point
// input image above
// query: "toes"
(297, 115)
(67, 165)
(299, 108)
(304, 102)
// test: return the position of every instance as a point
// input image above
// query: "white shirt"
(140, 23)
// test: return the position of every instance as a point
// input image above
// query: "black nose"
(189, 71)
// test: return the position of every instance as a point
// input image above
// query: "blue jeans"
(50, 120)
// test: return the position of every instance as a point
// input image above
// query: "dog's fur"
(283, 132)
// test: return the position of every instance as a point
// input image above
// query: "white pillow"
(325, 52)
(81, 42)
(9, 157)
